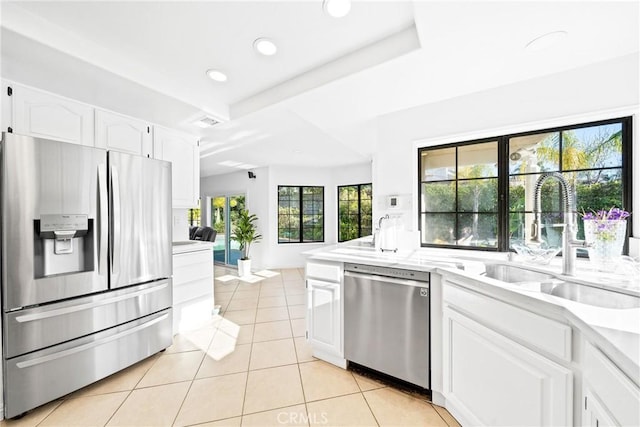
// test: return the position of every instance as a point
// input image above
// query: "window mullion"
(301, 215)
(503, 191)
(457, 207)
(359, 212)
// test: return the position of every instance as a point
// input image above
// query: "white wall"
(290, 254)
(180, 224)
(600, 91)
(262, 199)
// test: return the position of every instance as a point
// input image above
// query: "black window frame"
(504, 175)
(301, 214)
(359, 190)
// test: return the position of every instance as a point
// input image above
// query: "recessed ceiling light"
(217, 75)
(229, 163)
(206, 121)
(546, 40)
(265, 46)
(336, 8)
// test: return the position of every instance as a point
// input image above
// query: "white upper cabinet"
(45, 115)
(183, 152)
(121, 133)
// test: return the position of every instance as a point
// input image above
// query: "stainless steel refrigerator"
(86, 266)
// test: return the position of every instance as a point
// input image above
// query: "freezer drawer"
(36, 328)
(37, 378)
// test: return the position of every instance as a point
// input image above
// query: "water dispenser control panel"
(63, 222)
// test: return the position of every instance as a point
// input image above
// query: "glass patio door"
(224, 214)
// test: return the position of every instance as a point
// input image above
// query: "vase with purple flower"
(605, 231)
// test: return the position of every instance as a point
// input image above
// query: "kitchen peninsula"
(504, 350)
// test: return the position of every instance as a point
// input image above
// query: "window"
(479, 194)
(354, 211)
(300, 214)
(193, 217)
(459, 193)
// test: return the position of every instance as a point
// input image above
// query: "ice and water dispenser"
(63, 244)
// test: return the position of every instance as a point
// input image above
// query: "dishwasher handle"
(386, 279)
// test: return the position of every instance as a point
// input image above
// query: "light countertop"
(615, 331)
(191, 246)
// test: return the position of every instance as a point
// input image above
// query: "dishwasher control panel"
(400, 273)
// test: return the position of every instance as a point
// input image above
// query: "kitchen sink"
(513, 274)
(590, 295)
(558, 287)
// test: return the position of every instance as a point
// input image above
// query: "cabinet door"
(613, 392)
(324, 316)
(593, 412)
(44, 115)
(121, 133)
(492, 380)
(183, 152)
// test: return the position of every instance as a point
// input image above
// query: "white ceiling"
(315, 102)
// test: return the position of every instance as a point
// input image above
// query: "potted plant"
(245, 233)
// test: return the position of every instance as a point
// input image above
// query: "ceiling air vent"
(206, 122)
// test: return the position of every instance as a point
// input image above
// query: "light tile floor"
(251, 366)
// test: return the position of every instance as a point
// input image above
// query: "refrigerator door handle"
(86, 306)
(83, 347)
(115, 218)
(103, 213)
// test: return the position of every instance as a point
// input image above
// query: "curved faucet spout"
(569, 241)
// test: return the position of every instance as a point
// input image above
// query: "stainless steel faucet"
(569, 240)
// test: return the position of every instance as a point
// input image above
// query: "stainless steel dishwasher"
(387, 321)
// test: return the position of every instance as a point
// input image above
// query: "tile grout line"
(195, 374)
(246, 382)
(129, 392)
(367, 402)
(48, 415)
(295, 349)
(217, 330)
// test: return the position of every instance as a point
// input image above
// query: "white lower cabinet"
(610, 397)
(594, 414)
(495, 381)
(193, 299)
(324, 312)
(493, 378)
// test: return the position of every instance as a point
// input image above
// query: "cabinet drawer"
(192, 274)
(614, 389)
(192, 290)
(329, 272)
(539, 332)
(191, 258)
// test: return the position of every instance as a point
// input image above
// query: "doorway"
(224, 214)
